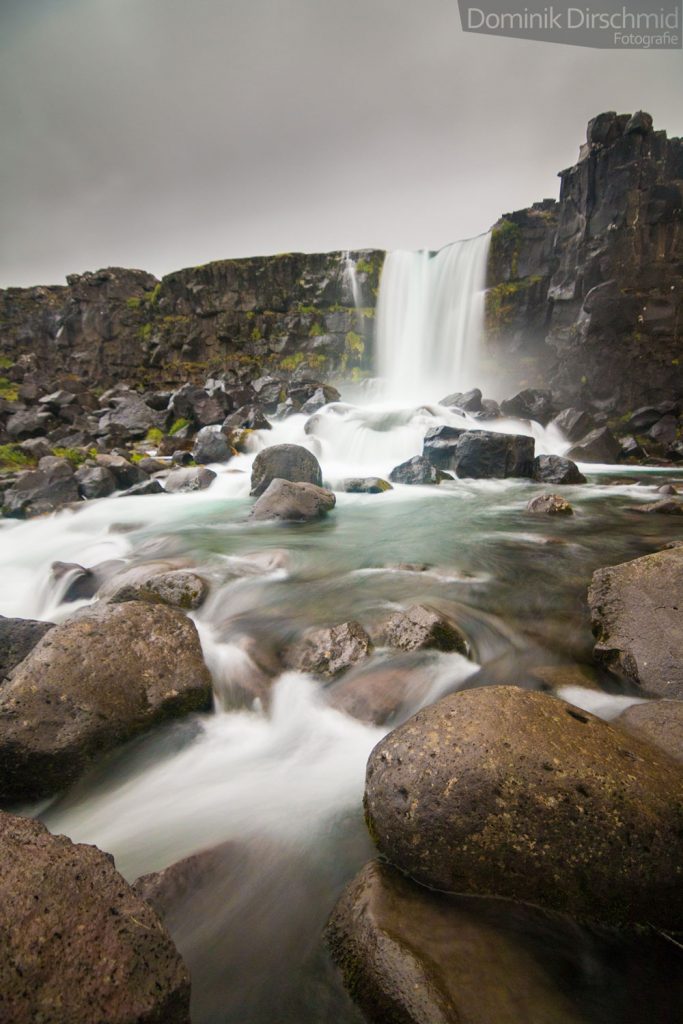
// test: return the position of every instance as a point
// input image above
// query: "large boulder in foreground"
(293, 502)
(96, 680)
(637, 621)
(504, 792)
(284, 462)
(77, 944)
(484, 454)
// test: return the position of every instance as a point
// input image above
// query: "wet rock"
(416, 471)
(468, 401)
(289, 462)
(79, 944)
(479, 792)
(149, 466)
(18, 637)
(248, 417)
(179, 588)
(293, 502)
(490, 410)
(181, 458)
(211, 445)
(322, 396)
(439, 446)
(553, 469)
(574, 423)
(42, 490)
(642, 419)
(667, 489)
(410, 956)
(630, 449)
(192, 479)
(126, 473)
(635, 610)
(420, 628)
(365, 485)
(380, 693)
(28, 423)
(96, 680)
(531, 404)
(482, 454)
(95, 482)
(82, 584)
(199, 406)
(329, 652)
(659, 722)
(599, 446)
(270, 392)
(129, 417)
(144, 488)
(549, 505)
(666, 507)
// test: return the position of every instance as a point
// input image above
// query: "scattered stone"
(293, 502)
(36, 447)
(553, 469)
(365, 485)
(479, 792)
(549, 505)
(28, 423)
(636, 616)
(666, 507)
(665, 430)
(329, 652)
(149, 466)
(667, 489)
(483, 454)
(420, 628)
(642, 419)
(468, 401)
(194, 479)
(630, 449)
(181, 458)
(249, 417)
(126, 473)
(95, 482)
(211, 445)
(599, 446)
(289, 462)
(146, 487)
(96, 680)
(79, 944)
(41, 491)
(574, 423)
(179, 588)
(531, 404)
(416, 471)
(129, 417)
(18, 637)
(659, 722)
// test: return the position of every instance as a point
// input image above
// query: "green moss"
(6, 362)
(145, 331)
(8, 390)
(12, 458)
(290, 363)
(154, 435)
(153, 296)
(75, 457)
(316, 331)
(364, 266)
(506, 241)
(355, 344)
(256, 334)
(133, 303)
(306, 310)
(178, 426)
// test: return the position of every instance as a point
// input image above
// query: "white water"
(430, 316)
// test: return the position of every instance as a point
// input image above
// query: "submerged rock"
(18, 637)
(483, 454)
(289, 462)
(96, 680)
(293, 502)
(329, 652)
(365, 485)
(665, 507)
(549, 505)
(637, 622)
(417, 470)
(504, 792)
(380, 693)
(78, 944)
(599, 446)
(421, 628)
(553, 469)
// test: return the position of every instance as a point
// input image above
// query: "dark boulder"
(553, 469)
(531, 404)
(96, 680)
(420, 628)
(79, 945)
(640, 123)
(642, 419)
(211, 445)
(416, 471)
(630, 449)
(482, 454)
(248, 417)
(439, 446)
(479, 792)
(42, 490)
(468, 401)
(95, 482)
(143, 489)
(549, 505)
(18, 637)
(658, 722)
(270, 391)
(599, 446)
(329, 652)
(129, 417)
(490, 410)
(199, 406)
(190, 479)
(284, 462)
(365, 485)
(26, 423)
(149, 465)
(322, 396)
(293, 502)
(574, 423)
(665, 430)
(635, 609)
(126, 473)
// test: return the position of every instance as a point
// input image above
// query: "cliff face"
(590, 290)
(251, 315)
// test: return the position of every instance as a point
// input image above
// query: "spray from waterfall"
(430, 320)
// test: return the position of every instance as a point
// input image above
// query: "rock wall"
(251, 315)
(589, 291)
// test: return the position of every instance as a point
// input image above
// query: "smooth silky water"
(276, 785)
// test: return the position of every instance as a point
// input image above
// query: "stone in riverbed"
(290, 462)
(329, 652)
(142, 489)
(293, 502)
(18, 637)
(549, 505)
(484, 454)
(43, 490)
(574, 423)
(665, 507)
(211, 445)
(78, 944)
(179, 588)
(416, 471)
(383, 692)
(95, 482)
(659, 722)
(190, 479)
(503, 792)
(553, 469)
(599, 446)
(126, 473)
(93, 682)
(468, 401)
(531, 404)
(439, 445)
(420, 628)
(365, 485)
(638, 622)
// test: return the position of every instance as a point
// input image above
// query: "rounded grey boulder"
(293, 502)
(289, 462)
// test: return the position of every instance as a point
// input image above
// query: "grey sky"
(164, 133)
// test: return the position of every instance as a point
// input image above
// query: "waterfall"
(430, 319)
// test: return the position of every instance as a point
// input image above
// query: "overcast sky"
(165, 133)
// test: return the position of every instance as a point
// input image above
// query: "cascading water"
(430, 319)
